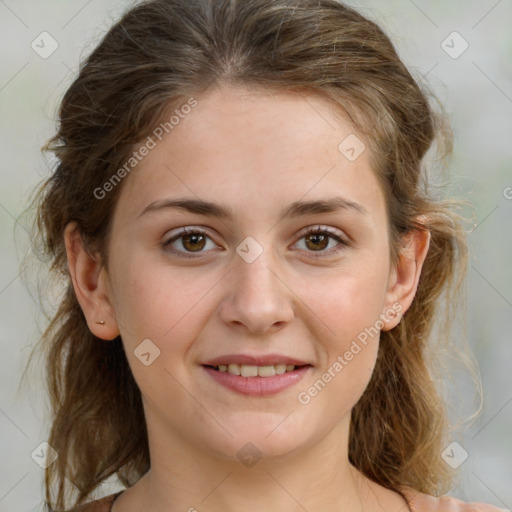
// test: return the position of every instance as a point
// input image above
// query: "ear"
(404, 278)
(90, 282)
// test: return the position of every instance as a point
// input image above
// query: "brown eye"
(194, 242)
(317, 241)
(191, 240)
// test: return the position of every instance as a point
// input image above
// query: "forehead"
(254, 148)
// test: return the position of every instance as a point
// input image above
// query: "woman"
(254, 265)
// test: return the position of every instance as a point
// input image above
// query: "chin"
(259, 437)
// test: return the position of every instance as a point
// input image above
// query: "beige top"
(418, 502)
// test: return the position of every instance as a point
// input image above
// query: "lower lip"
(258, 386)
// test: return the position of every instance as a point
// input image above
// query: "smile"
(257, 380)
(246, 370)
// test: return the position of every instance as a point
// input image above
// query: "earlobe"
(405, 276)
(90, 284)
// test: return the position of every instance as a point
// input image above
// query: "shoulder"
(101, 505)
(421, 502)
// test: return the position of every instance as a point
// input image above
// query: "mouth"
(245, 370)
(256, 381)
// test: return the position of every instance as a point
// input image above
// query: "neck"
(185, 477)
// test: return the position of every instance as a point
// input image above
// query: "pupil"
(321, 237)
(194, 238)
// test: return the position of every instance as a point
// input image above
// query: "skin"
(255, 153)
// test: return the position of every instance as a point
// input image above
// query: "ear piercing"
(101, 322)
(398, 315)
(395, 314)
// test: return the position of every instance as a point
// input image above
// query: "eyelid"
(185, 230)
(342, 239)
(320, 228)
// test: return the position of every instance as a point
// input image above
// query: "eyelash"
(343, 243)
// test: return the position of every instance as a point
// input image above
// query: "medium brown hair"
(157, 56)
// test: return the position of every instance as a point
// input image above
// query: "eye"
(317, 239)
(193, 240)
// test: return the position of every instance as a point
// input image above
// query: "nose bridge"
(257, 275)
(256, 278)
(257, 298)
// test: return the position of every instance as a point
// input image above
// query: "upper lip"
(264, 360)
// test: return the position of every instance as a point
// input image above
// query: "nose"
(258, 298)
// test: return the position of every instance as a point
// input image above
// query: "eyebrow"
(296, 209)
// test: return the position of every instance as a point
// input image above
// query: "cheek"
(164, 306)
(153, 301)
(350, 306)
(351, 302)
(349, 352)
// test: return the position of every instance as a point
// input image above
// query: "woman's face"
(252, 283)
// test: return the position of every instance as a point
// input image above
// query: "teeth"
(246, 370)
(280, 368)
(265, 371)
(234, 369)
